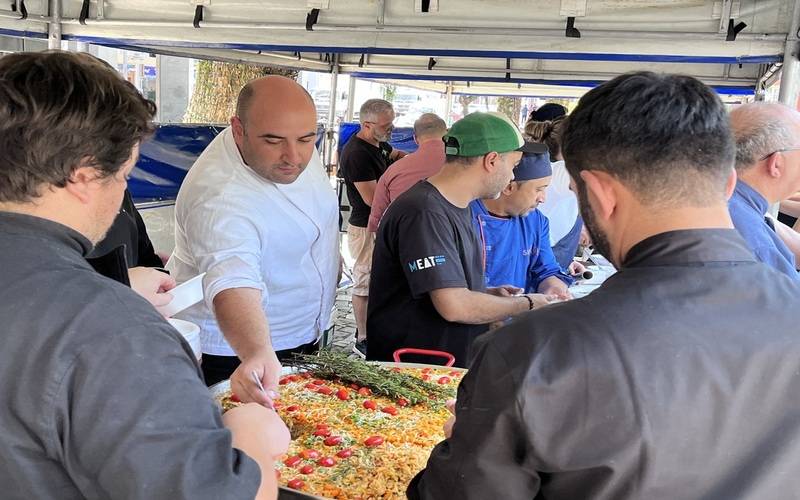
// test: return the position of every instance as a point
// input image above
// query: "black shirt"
(676, 379)
(360, 161)
(101, 397)
(424, 243)
(128, 229)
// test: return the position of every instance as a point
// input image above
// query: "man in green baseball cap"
(427, 289)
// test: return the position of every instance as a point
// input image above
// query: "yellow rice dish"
(348, 443)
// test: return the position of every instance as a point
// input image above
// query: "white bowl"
(190, 332)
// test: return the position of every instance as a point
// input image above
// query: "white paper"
(185, 295)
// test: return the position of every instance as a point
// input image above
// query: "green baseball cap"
(480, 133)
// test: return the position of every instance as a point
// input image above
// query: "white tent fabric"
(503, 43)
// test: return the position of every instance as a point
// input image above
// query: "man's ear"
(510, 188)
(490, 161)
(82, 183)
(238, 129)
(730, 184)
(775, 165)
(601, 190)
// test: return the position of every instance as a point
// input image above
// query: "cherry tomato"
(373, 441)
(294, 378)
(326, 462)
(333, 440)
(364, 391)
(426, 377)
(235, 398)
(322, 426)
(292, 461)
(426, 370)
(455, 374)
(306, 469)
(322, 432)
(324, 389)
(355, 387)
(345, 453)
(444, 380)
(370, 405)
(305, 375)
(284, 381)
(296, 484)
(398, 370)
(318, 382)
(391, 410)
(309, 454)
(311, 387)
(402, 402)
(292, 408)
(343, 394)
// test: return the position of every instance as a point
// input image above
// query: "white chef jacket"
(247, 232)
(560, 205)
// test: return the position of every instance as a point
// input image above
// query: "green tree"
(465, 101)
(510, 106)
(217, 85)
(389, 91)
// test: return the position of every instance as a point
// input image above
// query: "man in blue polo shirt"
(768, 168)
(515, 236)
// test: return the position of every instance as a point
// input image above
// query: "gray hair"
(760, 129)
(372, 108)
(429, 125)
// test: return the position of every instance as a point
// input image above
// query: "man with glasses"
(362, 161)
(768, 167)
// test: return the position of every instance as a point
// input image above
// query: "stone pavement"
(345, 331)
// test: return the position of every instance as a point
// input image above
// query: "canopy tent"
(525, 47)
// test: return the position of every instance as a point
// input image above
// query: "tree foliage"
(217, 85)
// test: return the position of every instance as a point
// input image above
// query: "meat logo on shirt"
(426, 262)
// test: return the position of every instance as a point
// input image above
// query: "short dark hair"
(666, 137)
(60, 110)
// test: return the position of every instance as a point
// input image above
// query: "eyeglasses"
(388, 126)
(793, 148)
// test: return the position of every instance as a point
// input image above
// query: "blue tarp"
(166, 157)
(402, 138)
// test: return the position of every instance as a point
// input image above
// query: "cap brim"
(533, 148)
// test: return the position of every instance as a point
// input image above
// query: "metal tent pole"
(351, 99)
(331, 127)
(790, 72)
(54, 27)
(449, 109)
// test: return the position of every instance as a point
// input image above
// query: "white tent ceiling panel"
(467, 38)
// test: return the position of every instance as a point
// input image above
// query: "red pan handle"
(410, 350)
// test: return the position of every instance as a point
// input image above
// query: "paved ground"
(345, 331)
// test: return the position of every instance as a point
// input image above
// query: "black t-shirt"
(360, 161)
(424, 243)
(128, 229)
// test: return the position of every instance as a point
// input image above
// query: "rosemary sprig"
(332, 364)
